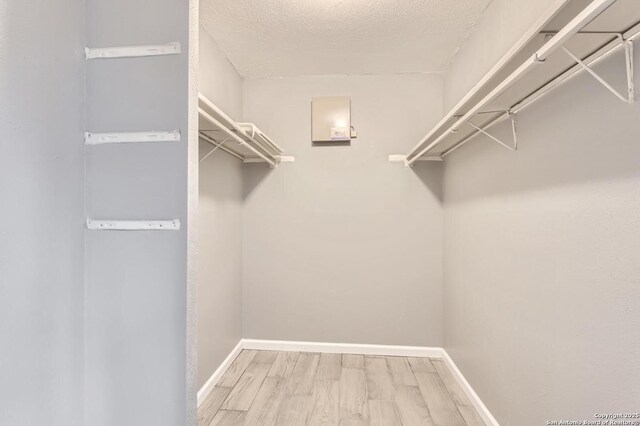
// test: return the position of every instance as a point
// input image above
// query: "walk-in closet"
(319, 212)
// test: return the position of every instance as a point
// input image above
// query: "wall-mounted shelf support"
(216, 146)
(133, 225)
(222, 147)
(628, 49)
(280, 158)
(265, 142)
(232, 135)
(131, 137)
(403, 159)
(250, 144)
(132, 51)
(286, 159)
(513, 128)
(531, 69)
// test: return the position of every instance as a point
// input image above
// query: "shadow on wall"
(329, 144)
(220, 174)
(253, 174)
(430, 174)
(581, 133)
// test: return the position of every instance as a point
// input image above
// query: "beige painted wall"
(42, 190)
(137, 290)
(343, 246)
(220, 222)
(542, 258)
(501, 26)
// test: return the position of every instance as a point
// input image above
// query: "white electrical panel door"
(331, 119)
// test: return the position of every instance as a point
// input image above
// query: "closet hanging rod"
(256, 132)
(222, 147)
(260, 142)
(503, 62)
(497, 92)
(487, 126)
(574, 26)
(252, 144)
(229, 123)
(234, 136)
(592, 11)
(599, 55)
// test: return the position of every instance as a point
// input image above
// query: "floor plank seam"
(273, 388)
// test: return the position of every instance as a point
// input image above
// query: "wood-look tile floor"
(291, 388)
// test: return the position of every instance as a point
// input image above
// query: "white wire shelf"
(242, 140)
(559, 46)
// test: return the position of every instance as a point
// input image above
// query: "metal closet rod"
(238, 128)
(214, 142)
(234, 126)
(235, 137)
(559, 39)
(555, 82)
(257, 133)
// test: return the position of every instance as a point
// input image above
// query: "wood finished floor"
(290, 388)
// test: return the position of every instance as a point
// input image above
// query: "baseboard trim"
(217, 375)
(349, 348)
(473, 396)
(343, 348)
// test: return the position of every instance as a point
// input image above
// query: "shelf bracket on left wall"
(132, 51)
(514, 129)
(133, 225)
(131, 137)
(215, 147)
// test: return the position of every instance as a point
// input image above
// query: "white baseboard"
(217, 375)
(473, 396)
(348, 348)
(343, 348)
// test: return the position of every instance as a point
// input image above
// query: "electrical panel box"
(331, 119)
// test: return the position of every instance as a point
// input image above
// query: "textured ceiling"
(270, 38)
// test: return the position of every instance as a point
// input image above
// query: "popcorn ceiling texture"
(327, 37)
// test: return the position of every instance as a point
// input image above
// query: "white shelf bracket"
(399, 159)
(628, 48)
(213, 142)
(131, 137)
(232, 133)
(133, 225)
(217, 145)
(132, 51)
(249, 160)
(537, 60)
(514, 129)
(403, 159)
